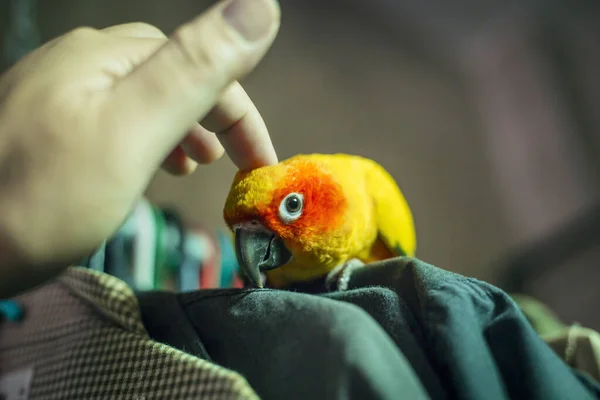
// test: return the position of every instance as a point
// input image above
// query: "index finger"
(182, 81)
(241, 129)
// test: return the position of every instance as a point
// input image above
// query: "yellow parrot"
(316, 216)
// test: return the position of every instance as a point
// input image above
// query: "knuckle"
(82, 32)
(207, 58)
(146, 29)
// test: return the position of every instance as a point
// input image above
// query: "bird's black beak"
(259, 250)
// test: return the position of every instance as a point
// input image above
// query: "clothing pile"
(403, 329)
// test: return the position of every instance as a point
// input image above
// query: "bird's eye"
(293, 204)
(291, 207)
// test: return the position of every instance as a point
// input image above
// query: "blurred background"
(486, 112)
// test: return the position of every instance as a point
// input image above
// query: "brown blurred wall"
(334, 82)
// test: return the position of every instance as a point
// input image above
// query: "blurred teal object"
(96, 260)
(11, 310)
(22, 34)
(229, 264)
(155, 250)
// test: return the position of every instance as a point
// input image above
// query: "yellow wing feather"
(393, 216)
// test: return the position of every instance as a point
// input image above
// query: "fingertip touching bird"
(316, 216)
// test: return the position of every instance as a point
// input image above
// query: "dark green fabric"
(294, 346)
(543, 319)
(163, 315)
(477, 339)
(463, 338)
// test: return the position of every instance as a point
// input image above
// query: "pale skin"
(88, 118)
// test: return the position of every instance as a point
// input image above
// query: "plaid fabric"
(82, 334)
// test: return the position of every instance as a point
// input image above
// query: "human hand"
(88, 118)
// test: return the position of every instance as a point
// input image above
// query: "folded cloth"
(542, 318)
(475, 336)
(287, 345)
(464, 339)
(81, 337)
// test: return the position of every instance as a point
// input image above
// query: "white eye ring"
(291, 207)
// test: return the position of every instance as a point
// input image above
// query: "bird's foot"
(339, 277)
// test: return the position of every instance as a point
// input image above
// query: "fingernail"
(253, 19)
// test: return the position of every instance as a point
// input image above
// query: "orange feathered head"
(278, 210)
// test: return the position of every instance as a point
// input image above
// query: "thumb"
(154, 106)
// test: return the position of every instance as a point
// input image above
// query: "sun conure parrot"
(311, 216)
